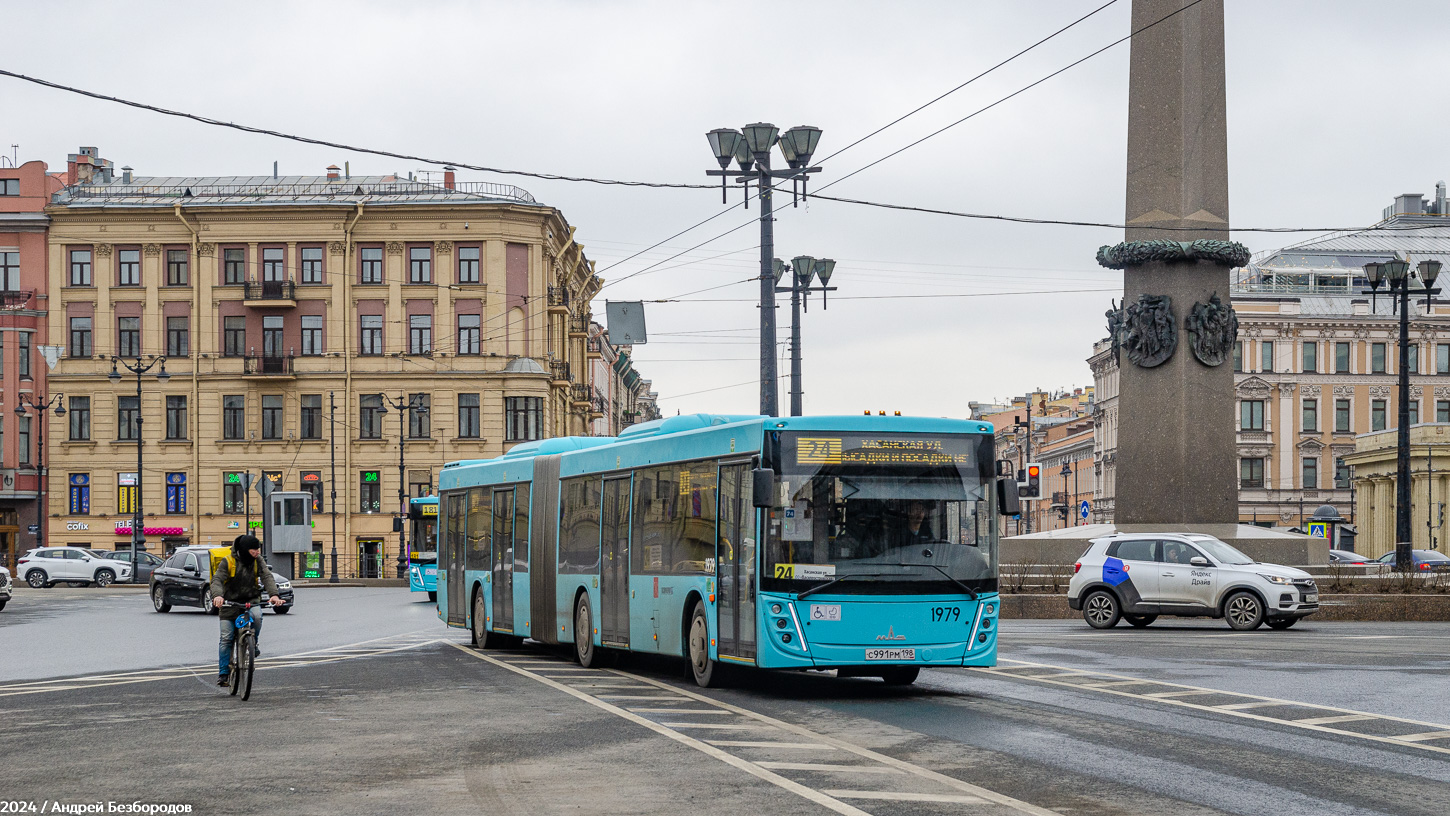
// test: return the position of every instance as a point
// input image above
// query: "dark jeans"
(229, 634)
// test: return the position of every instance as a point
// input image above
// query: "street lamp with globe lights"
(749, 148)
(39, 404)
(138, 366)
(802, 268)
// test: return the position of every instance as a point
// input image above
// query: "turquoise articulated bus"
(866, 544)
(423, 546)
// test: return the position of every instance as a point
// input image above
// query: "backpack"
(220, 555)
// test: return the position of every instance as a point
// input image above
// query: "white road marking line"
(1432, 735)
(716, 726)
(1242, 706)
(699, 745)
(1162, 694)
(691, 711)
(659, 697)
(949, 781)
(1327, 720)
(892, 796)
(827, 768)
(794, 746)
(1118, 683)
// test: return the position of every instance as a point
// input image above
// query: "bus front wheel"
(584, 650)
(701, 666)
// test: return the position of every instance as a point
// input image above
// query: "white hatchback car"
(1139, 576)
(47, 566)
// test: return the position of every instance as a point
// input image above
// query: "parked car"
(1348, 557)
(46, 566)
(5, 587)
(1139, 576)
(148, 563)
(1423, 560)
(184, 579)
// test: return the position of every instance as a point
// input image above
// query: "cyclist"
(239, 579)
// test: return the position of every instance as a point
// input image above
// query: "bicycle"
(244, 649)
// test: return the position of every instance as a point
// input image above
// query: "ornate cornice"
(1417, 391)
(1379, 391)
(395, 247)
(103, 250)
(336, 247)
(1135, 253)
(206, 249)
(1309, 390)
(152, 250)
(1253, 388)
(443, 247)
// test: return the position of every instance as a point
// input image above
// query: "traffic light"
(1032, 486)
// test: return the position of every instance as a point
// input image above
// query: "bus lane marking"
(709, 750)
(1320, 724)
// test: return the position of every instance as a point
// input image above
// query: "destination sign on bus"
(882, 451)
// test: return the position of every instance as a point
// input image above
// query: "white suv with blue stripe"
(1138, 576)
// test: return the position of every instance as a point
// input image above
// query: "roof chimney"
(333, 172)
(126, 175)
(274, 170)
(448, 177)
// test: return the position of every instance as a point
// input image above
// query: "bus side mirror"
(1007, 502)
(763, 487)
(1005, 467)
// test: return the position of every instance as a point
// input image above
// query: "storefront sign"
(124, 528)
(77, 525)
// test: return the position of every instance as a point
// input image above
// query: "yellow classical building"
(314, 330)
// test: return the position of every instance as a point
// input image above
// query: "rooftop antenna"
(274, 170)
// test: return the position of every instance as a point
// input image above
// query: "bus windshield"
(423, 539)
(900, 512)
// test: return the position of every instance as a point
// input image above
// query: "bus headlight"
(991, 608)
(775, 609)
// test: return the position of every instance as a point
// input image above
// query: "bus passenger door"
(452, 559)
(614, 566)
(503, 560)
(735, 563)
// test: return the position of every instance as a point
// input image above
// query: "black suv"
(185, 580)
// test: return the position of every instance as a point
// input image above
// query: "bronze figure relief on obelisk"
(1174, 329)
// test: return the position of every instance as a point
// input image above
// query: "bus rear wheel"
(900, 675)
(704, 670)
(480, 622)
(584, 650)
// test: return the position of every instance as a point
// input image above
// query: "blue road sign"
(1084, 508)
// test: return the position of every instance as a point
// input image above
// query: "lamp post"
(1071, 503)
(39, 404)
(750, 149)
(138, 529)
(332, 446)
(802, 268)
(1396, 273)
(403, 404)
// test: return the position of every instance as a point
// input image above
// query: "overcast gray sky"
(1333, 107)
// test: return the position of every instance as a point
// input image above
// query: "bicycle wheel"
(247, 654)
(236, 664)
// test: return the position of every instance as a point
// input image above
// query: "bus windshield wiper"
(970, 593)
(818, 587)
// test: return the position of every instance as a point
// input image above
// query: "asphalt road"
(367, 704)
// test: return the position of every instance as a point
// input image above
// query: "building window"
(468, 264)
(175, 493)
(79, 502)
(23, 350)
(126, 492)
(419, 410)
(1377, 358)
(371, 269)
(234, 266)
(128, 415)
(176, 417)
(468, 416)
(1442, 358)
(234, 416)
(80, 267)
(1414, 406)
(234, 341)
(1251, 472)
(1311, 357)
(312, 335)
(1442, 411)
(1239, 356)
(1341, 416)
(1310, 473)
(469, 327)
(420, 334)
(10, 187)
(128, 267)
(371, 490)
(80, 337)
(420, 265)
(272, 416)
(312, 483)
(311, 264)
(178, 336)
(1341, 358)
(1266, 356)
(1377, 415)
(272, 327)
(80, 419)
(128, 336)
(178, 268)
(372, 335)
(1341, 474)
(23, 424)
(370, 416)
(234, 493)
(10, 271)
(310, 426)
(1412, 357)
(1251, 415)
(1311, 416)
(274, 264)
(524, 418)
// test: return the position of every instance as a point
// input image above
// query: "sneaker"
(224, 680)
(256, 651)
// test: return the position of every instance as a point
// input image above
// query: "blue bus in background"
(863, 544)
(423, 546)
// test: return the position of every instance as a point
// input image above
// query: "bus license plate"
(890, 654)
(1312, 597)
(826, 612)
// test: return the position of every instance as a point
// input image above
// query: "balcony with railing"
(15, 300)
(558, 299)
(594, 347)
(269, 366)
(578, 326)
(559, 372)
(269, 293)
(598, 405)
(579, 395)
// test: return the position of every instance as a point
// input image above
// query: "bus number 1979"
(946, 613)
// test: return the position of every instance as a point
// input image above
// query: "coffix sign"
(77, 525)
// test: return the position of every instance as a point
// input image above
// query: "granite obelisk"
(1175, 329)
